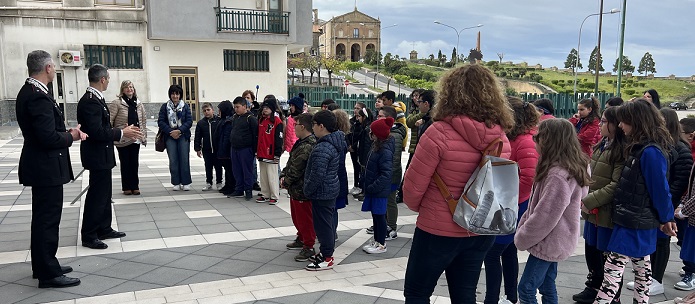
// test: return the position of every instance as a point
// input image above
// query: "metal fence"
(257, 21)
(565, 104)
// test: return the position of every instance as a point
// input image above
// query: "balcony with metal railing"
(253, 21)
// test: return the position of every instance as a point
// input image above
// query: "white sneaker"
(370, 244)
(378, 248)
(187, 187)
(504, 300)
(391, 235)
(687, 283)
(655, 288)
(681, 273)
(207, 187)
(357, 191)
(176, 188)
(352, 190)
(219, 186)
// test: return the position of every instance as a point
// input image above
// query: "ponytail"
(595, 106)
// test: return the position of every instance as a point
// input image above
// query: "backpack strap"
(444, 190)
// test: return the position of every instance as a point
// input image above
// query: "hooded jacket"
(451, 147)
(321, 176)
(399, 133)
(606, 177)
(270, 139)
(293, 173)
(378, 176)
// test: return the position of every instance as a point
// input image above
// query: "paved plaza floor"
(201, 247)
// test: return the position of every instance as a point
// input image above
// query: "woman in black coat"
(364, 144)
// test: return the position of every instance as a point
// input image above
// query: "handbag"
(159, 142)
(489, 203)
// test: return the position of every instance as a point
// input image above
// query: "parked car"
(678, 106)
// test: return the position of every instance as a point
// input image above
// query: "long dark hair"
(620, 141)
(646, 122)
(368, 116)
(672, 125)
(595, 108)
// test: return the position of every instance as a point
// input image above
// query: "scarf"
(132, 110)
(174, 114)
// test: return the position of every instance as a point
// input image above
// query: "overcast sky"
(535, 31)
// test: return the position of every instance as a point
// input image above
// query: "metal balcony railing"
(255, 21)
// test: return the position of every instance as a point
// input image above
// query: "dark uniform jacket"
(44, 160)
(96, 151)
(293, 173)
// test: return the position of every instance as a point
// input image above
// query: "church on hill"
(350, 36)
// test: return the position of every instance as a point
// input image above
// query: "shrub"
(629, 92)
(642, 84)
(610, 81)
(561, 81)
(515, 75)
(503, 73)
(537, 78)
(554, 81)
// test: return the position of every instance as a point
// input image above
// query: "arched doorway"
(355, 52)
(371, 47)
(340, 51)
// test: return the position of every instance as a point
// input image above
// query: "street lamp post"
(458, 37)
(378, 52)
(579, 42)
(318, 56)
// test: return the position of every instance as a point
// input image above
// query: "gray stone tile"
(15, 236)
(12, 293)
(278, 244)
(92, 264)
(158, 257)
(217, 228)
(174, 223)
(137, 226)
(169, 216)
(269, 268)
(14, 245)
(345, 298)
(93, 285)
(196, 206)
(69, 240)
(209, 220)
(123, 256)
(132, 286)
(186, 250)
(255, 254)
(134, 219)
(8, 228)
(219, 251)
(236, 268)
(178, 231)
(387, 301)
(23, 213)
(166, 276)
(15, 272)
(280, 222)
(279, 214)
(126, 270)
(48, 295)
(140, 235)
(195, 262)
(241, 226)
(312, 297)
(16, 220)
(242, 217)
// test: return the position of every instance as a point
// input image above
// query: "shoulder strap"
(444, 190)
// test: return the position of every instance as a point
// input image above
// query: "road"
(684, 113)
(362, 74)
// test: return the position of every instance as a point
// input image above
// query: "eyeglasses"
(602, 121)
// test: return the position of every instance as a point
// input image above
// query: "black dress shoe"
(112, 235)
(59, 282)
(95, 244)
(63, 270)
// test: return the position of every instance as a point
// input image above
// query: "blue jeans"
(538, 275)
(430, 255)
(494, 271)
(179, 166)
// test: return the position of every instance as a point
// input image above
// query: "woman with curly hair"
(471, 113)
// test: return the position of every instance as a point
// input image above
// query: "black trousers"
(229, 181)
(46, 210)
(355, 168)
(129, 157)
(400, 187)
(660, 257)
(96, 219)
(595, 260)
(211, 162)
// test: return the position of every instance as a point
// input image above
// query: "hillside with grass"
(670, 90)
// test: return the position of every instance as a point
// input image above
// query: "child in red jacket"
(270, 140)
(586, 124)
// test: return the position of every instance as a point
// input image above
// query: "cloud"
(423, 48)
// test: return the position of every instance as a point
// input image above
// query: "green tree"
(592, 61)
(302, 64)
(371, 57)
(646, 65)
(627, 65)
(474, 56)
(351, 67)
(332, 65)
(573, 61)
(453, 55)
(313, 64)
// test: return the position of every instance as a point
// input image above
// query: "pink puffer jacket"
(452, 149)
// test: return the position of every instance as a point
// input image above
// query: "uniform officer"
(44, 166)
(97, 156)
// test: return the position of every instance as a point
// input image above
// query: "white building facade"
(214, 49)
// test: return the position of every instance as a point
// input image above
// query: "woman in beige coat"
(128, 110)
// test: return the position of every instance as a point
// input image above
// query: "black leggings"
(355, 168)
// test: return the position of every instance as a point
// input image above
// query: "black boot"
(588, 295)
(256, 187)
